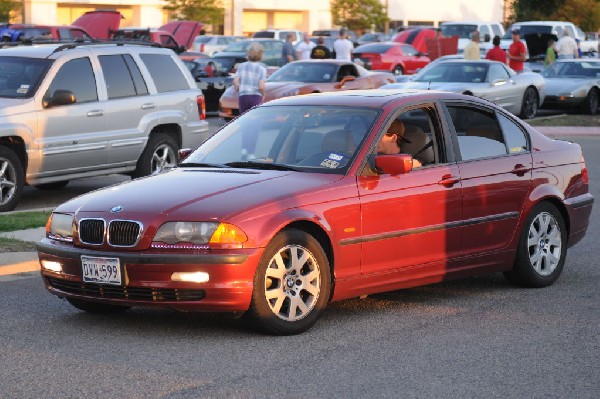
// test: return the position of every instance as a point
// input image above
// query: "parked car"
(522, 94)
(212, 78)
(398, 58)
(319, 216)
(91, 25)
(278, 34)
(572, 84)
(237, 52)
(178, 35)
(416, 37)
(374, 37)
(463, 29)
(81, 110)
(310, 76)
(210, 44)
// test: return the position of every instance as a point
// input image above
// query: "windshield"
(454, 72)
(377, 48)
(20, 76)
(307, 72)
(264, 35)
(587, 69)
(462, 31)
(238, 46)
(527, 29)
(305, 138)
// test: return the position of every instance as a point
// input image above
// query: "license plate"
(101, 270)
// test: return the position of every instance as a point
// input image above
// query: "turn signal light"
(228, 236)
(201, 107)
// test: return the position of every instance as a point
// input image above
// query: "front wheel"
(530, 104)
(159, 155)
(291, 286)
(96, 307)
(590, 105)
(11, 179)
(542, 248)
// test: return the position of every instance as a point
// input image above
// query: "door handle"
(449, 180)
(96, 112)
(520, 169)
(148, 106)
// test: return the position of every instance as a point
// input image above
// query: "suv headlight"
(60, 227)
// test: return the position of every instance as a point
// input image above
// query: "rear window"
(164, 71)
(264, 34)
(378, 48)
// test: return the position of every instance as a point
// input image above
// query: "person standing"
(496, 53)
(288, 54)
(472, 51)
(517, 53)
(550, 57)
(320, 52)
(343, 47)
(249, 81)
(566, 46)
(304, 48)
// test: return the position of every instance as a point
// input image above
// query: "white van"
(463, 29)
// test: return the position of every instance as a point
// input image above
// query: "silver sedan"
(520, 94)
(572, 84)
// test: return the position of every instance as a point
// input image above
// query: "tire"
(11, 179)
(57, 185)
(542, 248)
(159, 155)
(288, 296)
(96, 307)
(590, 105)
(530, 104)
(398, 71)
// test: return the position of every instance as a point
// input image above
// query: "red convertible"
(293, 205)
(398, 58)
(313, 76)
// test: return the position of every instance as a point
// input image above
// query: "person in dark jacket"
(320, 52)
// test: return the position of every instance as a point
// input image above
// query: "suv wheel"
(11, 179)
(159, 155)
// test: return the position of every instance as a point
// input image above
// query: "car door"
(495, 166)
(412, 220)
(71, 138)
(503, 90)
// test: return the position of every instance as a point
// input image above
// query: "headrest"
(338, 141)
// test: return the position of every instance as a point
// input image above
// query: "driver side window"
(77, 76)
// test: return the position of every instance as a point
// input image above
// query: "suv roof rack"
(71, 44)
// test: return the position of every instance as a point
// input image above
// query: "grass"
(567, 120)
(23, 220)
(14, 245)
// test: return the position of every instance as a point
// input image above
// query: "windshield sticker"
(336, 157)
(326, 76)
(23, 89)
(330, 163)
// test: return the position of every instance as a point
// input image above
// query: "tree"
(7, 7)
(584, 13)
(358, 14)
(206, 11)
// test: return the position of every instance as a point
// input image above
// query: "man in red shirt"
(496, 53)
(517, 53)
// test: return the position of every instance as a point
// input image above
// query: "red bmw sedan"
(311, 199)
(398, 58)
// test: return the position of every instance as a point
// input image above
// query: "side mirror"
(345, 80)
(183, 154)
(60, 97)
(396, 164)
(497, 82)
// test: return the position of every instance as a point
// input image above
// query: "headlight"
(178, 234)
(60, 227)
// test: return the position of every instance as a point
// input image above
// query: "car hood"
(100, 24)
(557, 86)
(200, 193)
(183, 31)
(537, 44)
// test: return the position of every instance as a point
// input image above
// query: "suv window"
(78, 77)
(118, 76)
(164, 71)
(496, 29)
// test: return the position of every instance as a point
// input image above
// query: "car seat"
(418, 144)
(340, 141)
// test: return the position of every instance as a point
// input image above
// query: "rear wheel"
(97, 308)
(530, 104)
(291, 286)
(398, 71)
(11, 179)
(590, 105)
(542, 248)
(159, 155)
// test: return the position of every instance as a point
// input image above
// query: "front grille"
(91, 231)
(147, 294)
(124, 233)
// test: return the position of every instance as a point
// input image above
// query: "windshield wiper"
(201, 165)
(261, 165)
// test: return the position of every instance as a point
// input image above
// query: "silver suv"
(78, 110)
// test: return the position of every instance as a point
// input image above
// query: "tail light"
(584, 171)
(201, 107)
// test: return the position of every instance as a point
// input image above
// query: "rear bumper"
(579, 209)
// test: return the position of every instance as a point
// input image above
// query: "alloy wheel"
(163, 159)
(544, 243)
(8, 181)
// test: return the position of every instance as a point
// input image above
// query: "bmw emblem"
(116, 209)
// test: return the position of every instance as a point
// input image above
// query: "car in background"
(83, 109)
(573, 84)
(317, 215)
(463, 29)
(416, 37)
(97, 24)
(335, 33)
(237, 52)
(310, 76)
(178, 35)
(278, 34)
(398, 58)
(210, 44)
(212, 78)
(374, 37)
(522, 94)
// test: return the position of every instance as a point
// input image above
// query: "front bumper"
(551, 101)
(147, 278)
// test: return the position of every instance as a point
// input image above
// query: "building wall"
(436, 11)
